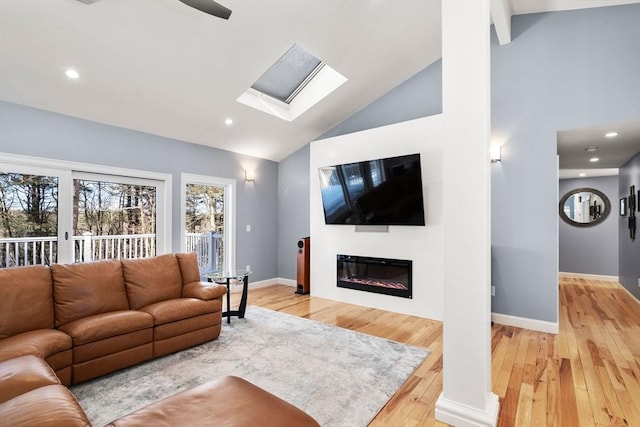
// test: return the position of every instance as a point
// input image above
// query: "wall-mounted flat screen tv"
(374, 192)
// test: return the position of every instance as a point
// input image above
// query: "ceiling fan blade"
(209, 6)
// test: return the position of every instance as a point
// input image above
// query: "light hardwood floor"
(587, 375)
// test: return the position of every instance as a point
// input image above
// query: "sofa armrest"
(203, 291)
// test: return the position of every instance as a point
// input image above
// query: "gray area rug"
(339, 377)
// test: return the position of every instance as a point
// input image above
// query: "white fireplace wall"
(422, 245)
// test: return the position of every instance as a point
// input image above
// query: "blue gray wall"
(293, 209)
(629, 266)
(563, 70)
(32, 132)
(418, 96)
(590, 250)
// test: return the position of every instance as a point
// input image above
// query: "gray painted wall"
(33, 132)
(293, 209)
(591, 250)
(418, 96)
(563, 70)
(629, 266)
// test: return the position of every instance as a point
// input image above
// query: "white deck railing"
(93, 248)
(28, 251)
(208, 248)
(43, 250)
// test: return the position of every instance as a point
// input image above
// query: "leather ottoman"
(229, 402)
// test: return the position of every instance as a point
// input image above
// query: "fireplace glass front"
(379, 275)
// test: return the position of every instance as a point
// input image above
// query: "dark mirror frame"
(605, 213)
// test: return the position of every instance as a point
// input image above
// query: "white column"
(466, 398)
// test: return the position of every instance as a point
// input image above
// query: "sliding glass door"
(59, 214)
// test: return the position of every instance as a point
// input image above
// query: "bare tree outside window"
(28, 219)
(104, 209)
(204, 224)
(110, 219)
(205, 208)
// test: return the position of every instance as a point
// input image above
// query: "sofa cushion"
(106, 325)
(26, 300)
(42, 343)
(51, 405)
(151, 280)
(229, 402)
(188, 267)
(178, 309)
(182, 328)
(23, 374)
(111, 345)
(85, 289)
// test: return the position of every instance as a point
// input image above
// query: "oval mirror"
(584, 207)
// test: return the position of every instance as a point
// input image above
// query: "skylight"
(294, 83)
(288, 76)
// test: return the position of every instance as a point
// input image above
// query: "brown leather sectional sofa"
(86, 320)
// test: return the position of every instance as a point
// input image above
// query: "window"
(28, 219)
(58, 211)
(113, 217)
(289, 75)
(293, 84)
(208, 206)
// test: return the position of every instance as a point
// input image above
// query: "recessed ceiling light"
(591, 149)
(582, 175)
(611, 134)
(594, 159)
(71, 73)
(228, 122)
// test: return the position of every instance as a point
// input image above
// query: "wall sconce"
(494, 151)
(249, 176)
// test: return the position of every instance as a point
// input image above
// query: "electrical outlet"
(248, 228)
(248, 267)
(493, 290)
(639, 282)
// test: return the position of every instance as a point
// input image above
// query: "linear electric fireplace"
(379, 275)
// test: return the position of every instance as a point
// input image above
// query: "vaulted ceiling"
(167, 69)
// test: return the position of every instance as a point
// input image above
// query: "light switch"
(248, 228)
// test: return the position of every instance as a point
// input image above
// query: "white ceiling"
(161, 67)
(611, 152)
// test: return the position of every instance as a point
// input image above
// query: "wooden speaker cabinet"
(304, 261)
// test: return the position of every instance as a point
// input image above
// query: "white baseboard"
(525, 323)
(288, 282)
(588, 276)
(263, 283)
(459, 415)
